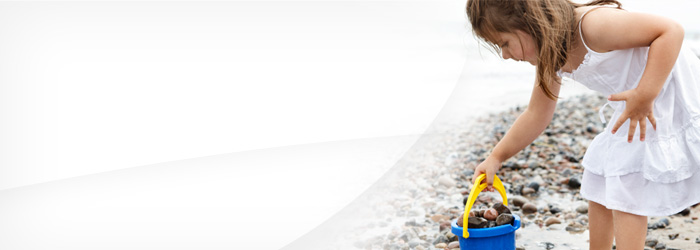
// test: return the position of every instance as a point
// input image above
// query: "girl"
(646, 163)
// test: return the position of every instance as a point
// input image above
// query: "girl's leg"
(630, 230)
(600, 226)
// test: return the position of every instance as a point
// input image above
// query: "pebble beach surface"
(542, 183)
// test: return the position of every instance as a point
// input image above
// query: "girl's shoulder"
(607, 28)
(591, 17)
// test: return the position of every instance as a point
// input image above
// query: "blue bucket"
(496, 238)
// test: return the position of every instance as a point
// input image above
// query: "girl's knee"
(621, 215)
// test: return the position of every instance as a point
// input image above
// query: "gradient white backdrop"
(193, 125)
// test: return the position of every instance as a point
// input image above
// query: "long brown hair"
(551, 23)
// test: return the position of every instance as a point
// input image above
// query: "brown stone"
(529, 208)
(491, 214)
(551, 221)
(460, 220)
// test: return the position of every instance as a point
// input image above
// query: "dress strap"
(580, 21)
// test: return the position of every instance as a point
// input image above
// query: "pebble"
(534, 185)
(452, 245)
(548, 245)
(651, 241)
(441, 239)
(552, 220)
(660, 245)
(477, 222)
(529, 208)
(441, 245)
(445, 225)
(673, 236)
(574, 183)
(414, 243)
(491, 224)
(662, 223)
(447, 181)
(554, 210)
(528, 191)
(685, 212)
(575, 227)
(501, 209)
(491, 214)
(504, 219)
(437, 217)
(519, 201)
(450, 236)
(583, 209)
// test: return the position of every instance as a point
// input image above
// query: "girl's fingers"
(619, 122)
(476, 175)
(642, 129)
(630, 133)
(652, 120)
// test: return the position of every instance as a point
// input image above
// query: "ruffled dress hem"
(665, 160)
(634, 194)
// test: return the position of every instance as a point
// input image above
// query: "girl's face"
(518, 46)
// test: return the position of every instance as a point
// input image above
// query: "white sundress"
(659, 176)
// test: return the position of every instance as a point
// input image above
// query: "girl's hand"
(638, 108)
(489, 167)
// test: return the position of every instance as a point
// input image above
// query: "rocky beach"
(414, 210)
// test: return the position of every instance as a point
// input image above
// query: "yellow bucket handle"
(476, 189)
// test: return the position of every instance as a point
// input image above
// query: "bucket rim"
(487, 232)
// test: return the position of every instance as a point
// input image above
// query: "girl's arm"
(530, 124)
(607, 29)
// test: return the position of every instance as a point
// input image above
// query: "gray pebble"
(651, 241)
(441, 239)
(447, 181)
(583, 209)
(501, 209)
(534, 185)
(504, 219)
(661, 245)
(477, 222)
(574, 183)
